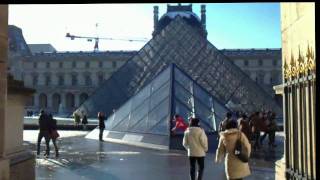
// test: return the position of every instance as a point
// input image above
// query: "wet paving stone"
(82, 158)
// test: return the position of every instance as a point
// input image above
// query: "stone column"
(4, 163)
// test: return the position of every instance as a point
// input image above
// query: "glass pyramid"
(149, 112)
(181, 44)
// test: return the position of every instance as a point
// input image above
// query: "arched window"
(83, 97)
(56, 100)
(43, 100)
(69, 100)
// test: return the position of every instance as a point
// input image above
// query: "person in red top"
(180, 124)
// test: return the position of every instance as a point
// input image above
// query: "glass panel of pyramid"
(180, 43)
(150, 111)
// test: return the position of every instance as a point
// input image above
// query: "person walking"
(84, 121)
(76, 118)
(243, 125)
(43, 132)
(265, 123)
(222, 125)
(102, 126)
(235, 169)
(53, 133)
(273, 127)
(180, 125)
(195, 141)
(255, 123)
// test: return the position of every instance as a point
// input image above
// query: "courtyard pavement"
(82, 158)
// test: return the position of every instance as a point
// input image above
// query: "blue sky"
(229, 25)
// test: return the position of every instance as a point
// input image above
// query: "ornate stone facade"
(63, 80)
(261, 65)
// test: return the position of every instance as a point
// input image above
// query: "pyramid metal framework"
(147, 115)
(181, 44)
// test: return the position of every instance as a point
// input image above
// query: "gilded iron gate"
(300, 124)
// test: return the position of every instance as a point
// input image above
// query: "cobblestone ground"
(82, 158)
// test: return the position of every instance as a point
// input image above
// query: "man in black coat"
(43, 132)
(101, 118)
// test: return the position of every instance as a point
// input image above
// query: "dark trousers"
(101, 134)
(200, 162)
(264, 136)
(44, 134)
(272, 135)
(54, 141)
(256, 140)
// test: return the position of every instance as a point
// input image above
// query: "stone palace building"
(64, 80)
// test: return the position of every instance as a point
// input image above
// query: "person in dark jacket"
(84, 121)
(243, 125)
(43, 132)
(53, 133)
(101, 118)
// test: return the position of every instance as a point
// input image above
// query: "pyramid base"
(153, 141)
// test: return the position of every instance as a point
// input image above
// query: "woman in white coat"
(235, 168)
(196, 142)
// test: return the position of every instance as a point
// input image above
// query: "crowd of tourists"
(237, 133)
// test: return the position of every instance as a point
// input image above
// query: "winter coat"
(234, 167)
(84, 120)
(101, 122)
(44, 122)
(195, 141)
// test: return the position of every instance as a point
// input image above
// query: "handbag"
(238, 151)
(54, 134)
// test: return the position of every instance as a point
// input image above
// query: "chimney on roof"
(155, 19)
(203, 19)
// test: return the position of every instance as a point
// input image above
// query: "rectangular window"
(61, 80)
(114, 64)
(48, 80)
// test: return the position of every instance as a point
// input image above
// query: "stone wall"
(4, 163)
(298, 61)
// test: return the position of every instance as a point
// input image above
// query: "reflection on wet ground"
(82, 158)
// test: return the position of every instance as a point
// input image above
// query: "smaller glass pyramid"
(149, 112)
